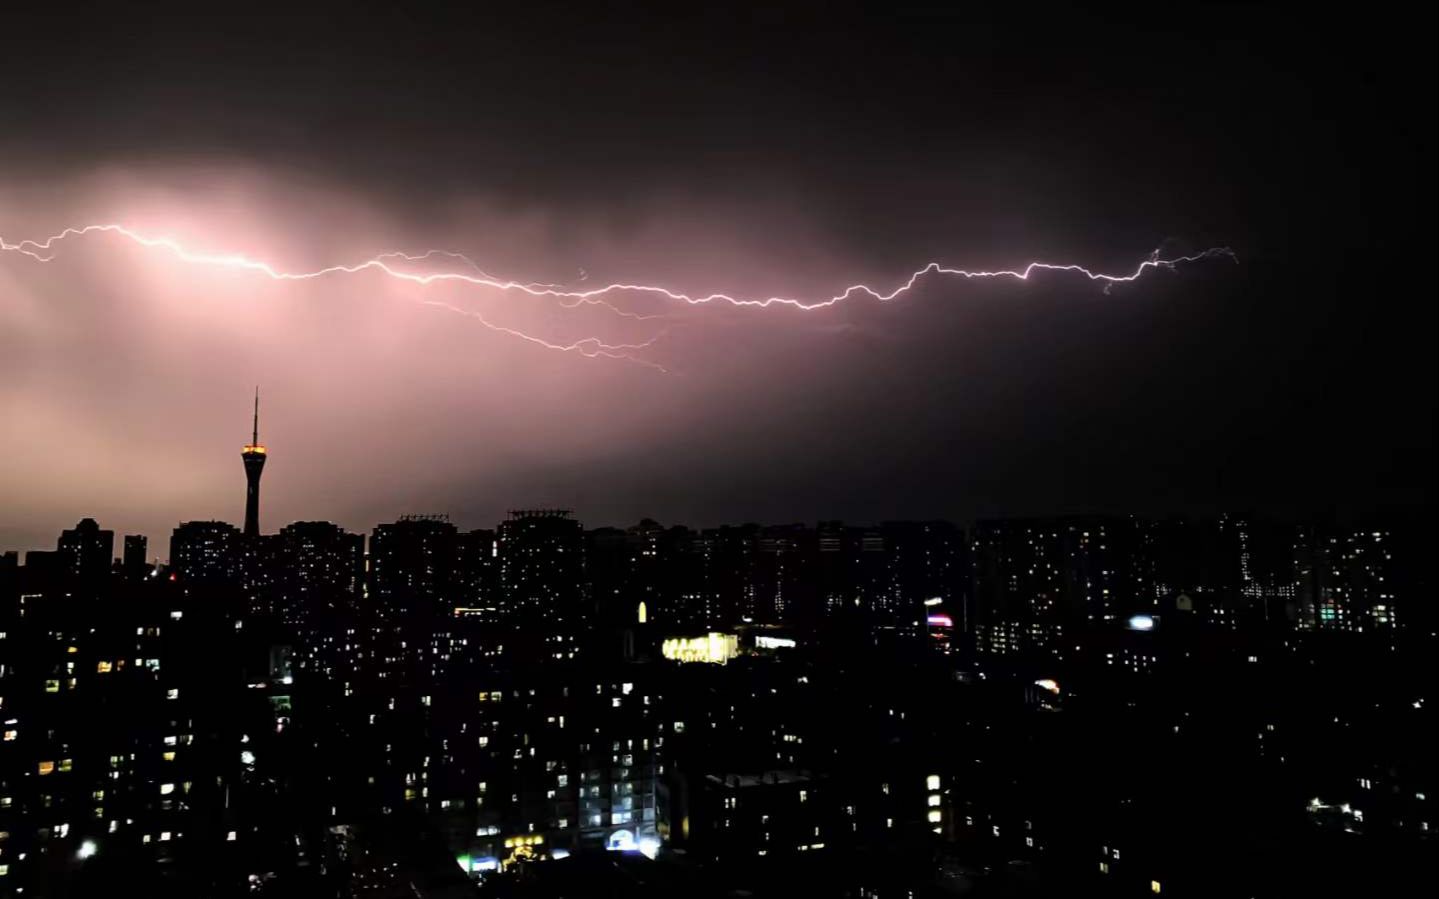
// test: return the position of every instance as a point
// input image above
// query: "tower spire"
(254, 457)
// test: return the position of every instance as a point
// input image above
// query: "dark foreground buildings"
(1063, 706)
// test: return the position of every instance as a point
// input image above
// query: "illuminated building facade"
(206, 552)
(126, 722)
(318, 568)
(477, 573)
(1355, 584)
(412, 564)
(542, 569)
(516, 761)
(1036, 580)
(712, 648)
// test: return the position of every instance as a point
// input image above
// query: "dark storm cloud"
(785, 151)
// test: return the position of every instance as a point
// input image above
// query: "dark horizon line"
(1404, 519)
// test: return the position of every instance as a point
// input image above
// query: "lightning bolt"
(593, 347)
(387, 263)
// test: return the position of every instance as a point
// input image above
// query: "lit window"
(930, 783)
(47, 768)
(934, 800)
(935, 816)
(166, 789)
(1154, 886)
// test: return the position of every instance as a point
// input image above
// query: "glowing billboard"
(713, 648)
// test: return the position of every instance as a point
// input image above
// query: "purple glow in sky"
(783, 152)
(130, 355)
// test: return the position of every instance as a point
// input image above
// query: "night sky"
(778, 152)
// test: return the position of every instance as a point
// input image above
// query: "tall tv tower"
(254, 456)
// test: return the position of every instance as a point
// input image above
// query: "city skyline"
(1107, 569)
(443, 712)
(255, 456)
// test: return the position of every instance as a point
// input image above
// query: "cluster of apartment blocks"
(425, 653)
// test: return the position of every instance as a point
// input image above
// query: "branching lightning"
(468, 272)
